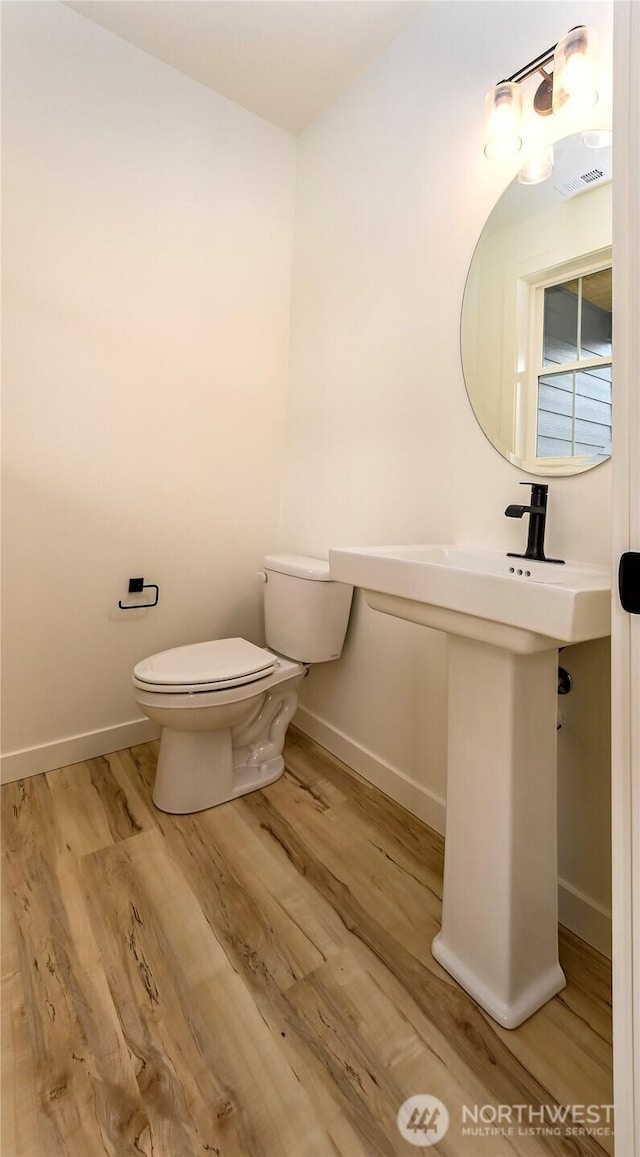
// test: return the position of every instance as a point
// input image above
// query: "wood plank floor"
(256, 980)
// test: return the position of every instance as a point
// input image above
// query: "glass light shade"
(574, 89)
(538, 167)
(597, 138)
(503, 106)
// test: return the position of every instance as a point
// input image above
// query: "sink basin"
(513, 603)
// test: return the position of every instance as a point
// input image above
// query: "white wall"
(382, 446)
(147, 239)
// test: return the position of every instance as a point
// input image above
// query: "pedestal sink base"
(505, 618)
(509, 1015)
(499, 935)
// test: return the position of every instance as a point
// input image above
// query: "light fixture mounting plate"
(543, 100)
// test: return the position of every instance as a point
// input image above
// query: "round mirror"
(536, 315)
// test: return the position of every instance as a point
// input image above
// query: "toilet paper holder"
(136, 587)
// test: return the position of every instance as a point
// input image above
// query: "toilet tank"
(305, 612)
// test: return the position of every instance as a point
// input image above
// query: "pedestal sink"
(505, 619)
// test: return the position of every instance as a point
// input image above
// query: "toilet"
(224, 706)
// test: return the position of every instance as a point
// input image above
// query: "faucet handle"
(539, 495)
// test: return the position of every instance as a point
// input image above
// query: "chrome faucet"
(537, 512)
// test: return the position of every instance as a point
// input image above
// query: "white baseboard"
(34, 760)
(579, 913)
(417, 799)
(584, 916)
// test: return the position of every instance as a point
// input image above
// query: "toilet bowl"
(224, 706)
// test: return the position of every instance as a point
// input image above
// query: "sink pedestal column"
(499, 936)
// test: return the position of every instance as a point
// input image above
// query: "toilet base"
(221, 750)
(196, 771)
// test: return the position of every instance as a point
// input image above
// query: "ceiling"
(285, 60)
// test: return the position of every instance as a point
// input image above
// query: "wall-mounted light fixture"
(567, 89)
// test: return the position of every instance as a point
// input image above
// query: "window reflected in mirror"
(574, 399)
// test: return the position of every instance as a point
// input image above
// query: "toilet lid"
(220, 663)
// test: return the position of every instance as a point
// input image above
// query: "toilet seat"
(199, 667)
